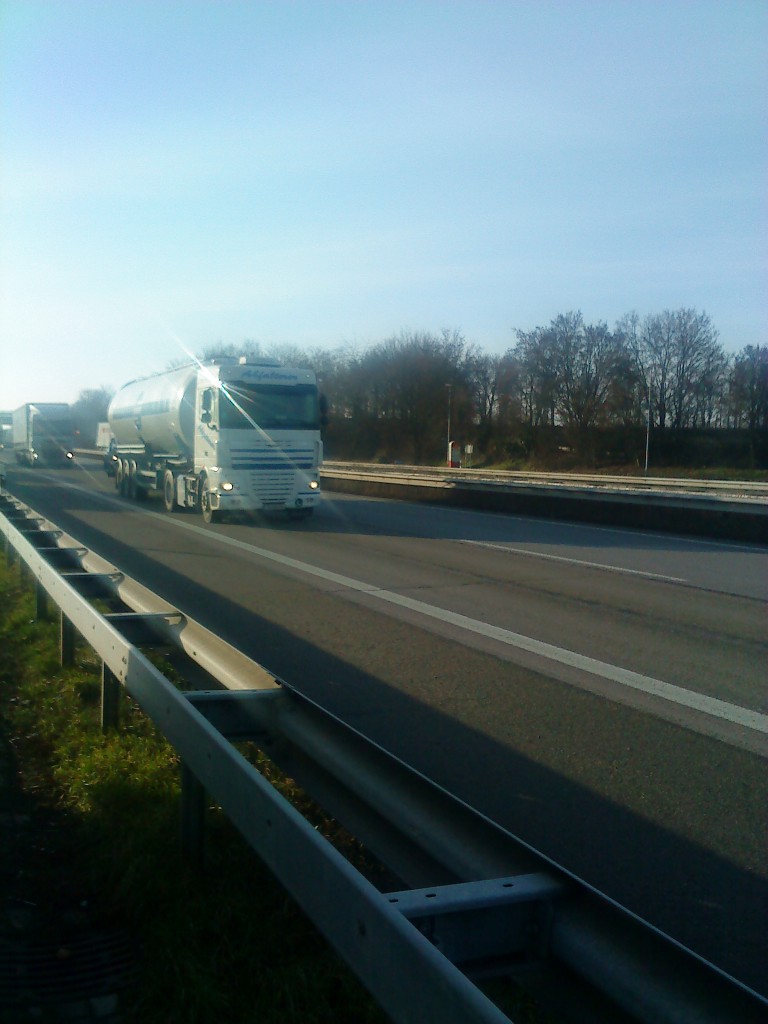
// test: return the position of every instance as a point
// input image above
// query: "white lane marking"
(575, 561)
(745, 717)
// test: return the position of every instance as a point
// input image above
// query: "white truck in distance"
(43, 434)
(221, 436)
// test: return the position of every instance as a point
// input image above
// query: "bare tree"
(405, 385)
(592, 364)
(537, 375)
(218, 349)
(749, 387)
(680, 360)
(89, 410)
(485, 381)
(657, 356)
(696, 351)
(636, 375)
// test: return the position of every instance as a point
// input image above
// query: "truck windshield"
(270, 406)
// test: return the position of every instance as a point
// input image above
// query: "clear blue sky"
(321, 173)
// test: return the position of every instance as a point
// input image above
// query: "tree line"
(568, 393)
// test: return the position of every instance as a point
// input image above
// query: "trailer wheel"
(210, 515)
(119, 470)
(169, 491)
(130, 483)
(125, 478)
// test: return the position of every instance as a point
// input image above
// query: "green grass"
(226, 943)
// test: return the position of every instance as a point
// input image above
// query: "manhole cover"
(81, 976)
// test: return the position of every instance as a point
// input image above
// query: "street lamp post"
(448, 441)
(648, 428)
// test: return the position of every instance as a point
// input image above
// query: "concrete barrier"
(720, 516)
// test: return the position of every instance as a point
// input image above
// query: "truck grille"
(272, 488)
(273, 469)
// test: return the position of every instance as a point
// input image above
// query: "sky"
(330, 174)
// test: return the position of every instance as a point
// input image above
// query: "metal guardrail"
(476, 898)
(733, 489)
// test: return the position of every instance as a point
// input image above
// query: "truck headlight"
(227, 486)
(313, 485)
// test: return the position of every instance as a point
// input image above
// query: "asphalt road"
(601, 693)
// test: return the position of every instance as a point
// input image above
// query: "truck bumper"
(234, 501)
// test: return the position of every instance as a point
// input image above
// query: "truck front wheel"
(210, 515)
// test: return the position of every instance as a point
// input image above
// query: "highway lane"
(457, 640)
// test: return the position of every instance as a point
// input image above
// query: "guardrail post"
(66, 641)
(41, 601)
(193, 801)
(110, 699)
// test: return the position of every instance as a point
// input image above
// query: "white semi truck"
(43, 434)
(221, 436)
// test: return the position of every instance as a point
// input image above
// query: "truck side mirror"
(206, 415)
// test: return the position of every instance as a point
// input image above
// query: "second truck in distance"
(221, 436)
(43, 434)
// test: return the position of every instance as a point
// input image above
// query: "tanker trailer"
(221, 436)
